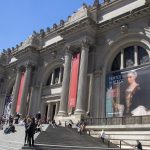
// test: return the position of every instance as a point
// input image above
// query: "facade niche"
(55, 77)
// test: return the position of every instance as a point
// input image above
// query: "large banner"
(20, 92)
(74, 81)
(8, 102)
(128, 93)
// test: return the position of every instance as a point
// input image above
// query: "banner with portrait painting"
(128, 93)
(8, 102)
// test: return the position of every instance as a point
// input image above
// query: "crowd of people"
(32, 125)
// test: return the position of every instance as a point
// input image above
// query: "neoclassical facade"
(67, 71)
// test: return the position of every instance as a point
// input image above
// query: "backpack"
(7, 131)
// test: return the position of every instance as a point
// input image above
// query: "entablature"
(124, 18)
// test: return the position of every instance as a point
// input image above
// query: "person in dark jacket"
(139, 145)
(31, 131)
(26, 127)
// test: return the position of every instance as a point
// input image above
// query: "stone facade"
(42, 63)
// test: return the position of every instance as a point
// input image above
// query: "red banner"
(20, 91)
(74, 81)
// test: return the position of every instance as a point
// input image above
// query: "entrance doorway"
(46, 112)
(53, 111)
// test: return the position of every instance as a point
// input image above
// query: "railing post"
(89, 132)
(108, 142)
(122, 121)
(120, 144)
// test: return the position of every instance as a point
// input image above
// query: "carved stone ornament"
(28, 65)
(96, 3)
(62, 22)
(106, 1)
(31, 41)
(47, 29)
(124, 28)
(85, 43)
(54, 54)
(68, 50)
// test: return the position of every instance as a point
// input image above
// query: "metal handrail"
(118, 120)
(128, 144)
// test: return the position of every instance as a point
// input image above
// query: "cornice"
(83, 24)
(25, 50)
(124, 18)
(105, 5)
(52, 47)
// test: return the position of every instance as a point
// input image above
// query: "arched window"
(55, 77)
(129, 57)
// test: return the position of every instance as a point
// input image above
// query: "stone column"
(80, 106)
(49, 112)
(60, 75)
(90, 93)
(15, 92)
(57, 106)
(23, 105)
(122, 59)
(135, 55)
(43, 110)
(65, 84)
(52, 78)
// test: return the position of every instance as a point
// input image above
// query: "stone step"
(62, 147)
(67, 138)
(129, 135)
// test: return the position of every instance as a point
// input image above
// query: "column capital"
(68, 50)
(85, 44)
(20, 69)
(28, 66)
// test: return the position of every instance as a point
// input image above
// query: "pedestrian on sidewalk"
(139, 145)
(31, 131)
(102, 135)
(26, 122)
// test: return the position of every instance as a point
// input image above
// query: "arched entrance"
(51, 92)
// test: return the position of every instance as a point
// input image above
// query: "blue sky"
(18, 18)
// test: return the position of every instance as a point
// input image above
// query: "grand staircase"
(64, 138)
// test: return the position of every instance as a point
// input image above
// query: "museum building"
(96, 63)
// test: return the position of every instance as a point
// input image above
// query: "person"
(59, 123)
(38, 127)
(10, 119)
(38, 116)
(26, 122)
(70, 124)
(10, 129)
(54, 125)
(102, 135)
(139, 145)
(31, 131)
